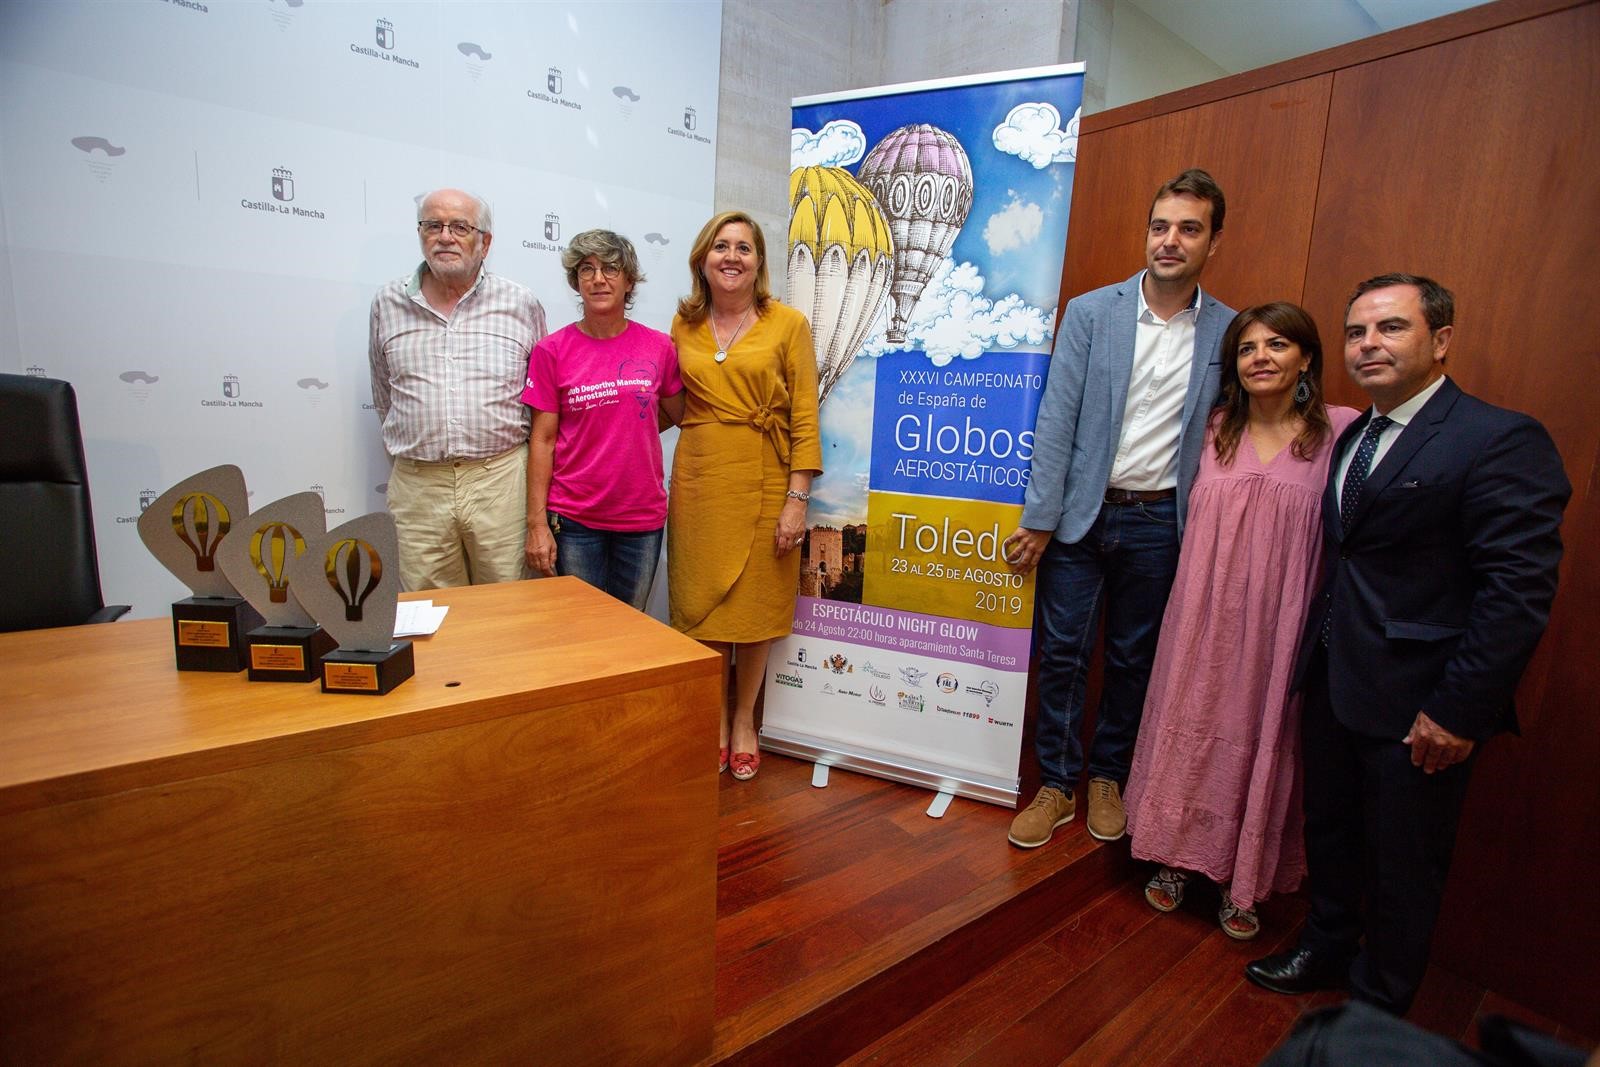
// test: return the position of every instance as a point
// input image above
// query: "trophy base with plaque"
(348, 670)
(287, 653)
(208, 633)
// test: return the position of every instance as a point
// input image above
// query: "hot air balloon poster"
(927, 228)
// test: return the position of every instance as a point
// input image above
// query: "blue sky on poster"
(999, 285)
(839, 498)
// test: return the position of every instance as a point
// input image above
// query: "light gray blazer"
(1085, 394)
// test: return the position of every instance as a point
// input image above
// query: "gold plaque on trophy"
(351, 677)
(265, 657)
(198, 633)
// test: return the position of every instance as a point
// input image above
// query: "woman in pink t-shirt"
(597, 501)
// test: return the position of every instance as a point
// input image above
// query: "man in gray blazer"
(1121, 425)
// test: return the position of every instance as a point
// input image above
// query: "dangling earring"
(1302, 389)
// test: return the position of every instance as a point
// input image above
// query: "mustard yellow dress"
(747, 422)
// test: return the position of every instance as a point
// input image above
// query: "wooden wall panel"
(1473, 161)
(1262, 148)
(1465, 148)
(1488, 16)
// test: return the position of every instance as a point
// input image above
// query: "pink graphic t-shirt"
(607, 471)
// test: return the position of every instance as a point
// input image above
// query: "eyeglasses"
(434, 227)
(587, 271)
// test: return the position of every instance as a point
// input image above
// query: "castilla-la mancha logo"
(383, 35)
(282, 187)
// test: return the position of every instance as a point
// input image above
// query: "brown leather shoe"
(1107, 820)
(1035, 823)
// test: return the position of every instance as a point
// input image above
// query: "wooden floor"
(851, 927)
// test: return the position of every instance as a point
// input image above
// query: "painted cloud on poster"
(838, 144)
(954, 320)
(1033, 133)
(1013, 226)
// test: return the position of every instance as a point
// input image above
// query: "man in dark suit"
(1441, 527)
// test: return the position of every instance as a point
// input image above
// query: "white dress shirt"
(1399, 418)
(1152, 422)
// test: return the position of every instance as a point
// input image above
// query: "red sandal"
(722, 760)
(745, 765)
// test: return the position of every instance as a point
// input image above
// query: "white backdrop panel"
(199, 199)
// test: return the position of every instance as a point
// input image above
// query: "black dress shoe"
(1300, 971)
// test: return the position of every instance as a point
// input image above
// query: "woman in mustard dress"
(741, 474)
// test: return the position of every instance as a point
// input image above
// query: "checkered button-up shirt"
(451, 388)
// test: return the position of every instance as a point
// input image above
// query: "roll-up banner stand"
(927, 228)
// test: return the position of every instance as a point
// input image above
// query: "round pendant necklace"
(722, 349)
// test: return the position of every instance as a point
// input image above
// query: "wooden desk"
(511, 858)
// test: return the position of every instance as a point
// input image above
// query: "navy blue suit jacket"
(1441, 588)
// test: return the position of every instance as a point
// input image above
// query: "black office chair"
(49, 573)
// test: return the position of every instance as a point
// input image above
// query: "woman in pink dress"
(1215, 784)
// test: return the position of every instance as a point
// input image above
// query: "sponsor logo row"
(916, 702)
(835, 672)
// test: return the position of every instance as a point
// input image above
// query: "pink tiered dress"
(1215, 784)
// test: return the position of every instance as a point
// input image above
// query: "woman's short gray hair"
(611, 249)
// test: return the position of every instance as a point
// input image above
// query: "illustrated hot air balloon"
(271, 548)
(921, 177)
(194, 527)
(343, 567)
(841, 263)
(636, 378)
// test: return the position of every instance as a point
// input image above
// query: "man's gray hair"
(485, 216)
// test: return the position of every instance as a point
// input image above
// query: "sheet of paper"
(418, 618)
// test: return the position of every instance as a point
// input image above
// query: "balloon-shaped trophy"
(256, 560)
(349, 579)
(183, 529)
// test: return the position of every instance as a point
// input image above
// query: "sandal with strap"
(722, 760)
(1164, 892)
(1241, 924)
(744, 765)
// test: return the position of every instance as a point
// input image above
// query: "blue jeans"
(622, 564)
(1129, 556)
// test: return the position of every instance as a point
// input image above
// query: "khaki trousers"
(461, 521)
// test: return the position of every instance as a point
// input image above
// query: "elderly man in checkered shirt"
(449, 350)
